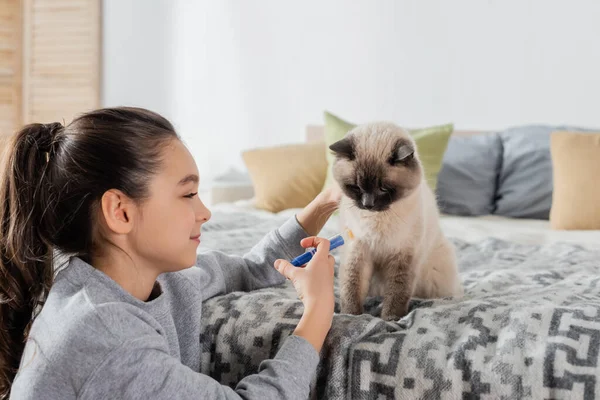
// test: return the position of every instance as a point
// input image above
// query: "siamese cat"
(398, 249)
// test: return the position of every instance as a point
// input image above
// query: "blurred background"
(233, 75)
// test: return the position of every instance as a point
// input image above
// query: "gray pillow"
(525, 182)
(467, 181)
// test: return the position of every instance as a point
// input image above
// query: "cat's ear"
(403, 153)
(344, 148)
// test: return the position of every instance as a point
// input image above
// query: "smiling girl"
(116, 190)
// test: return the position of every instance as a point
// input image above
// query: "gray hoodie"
(93, 340)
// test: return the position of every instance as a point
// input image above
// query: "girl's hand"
(314, 285)
(314, 216)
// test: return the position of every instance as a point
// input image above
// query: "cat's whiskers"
(391, 210)
(349, 206)
(396, 215)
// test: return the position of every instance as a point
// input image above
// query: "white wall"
(138, 67)
(248, 74)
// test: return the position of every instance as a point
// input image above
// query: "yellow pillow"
(576, 171)
(286, 176)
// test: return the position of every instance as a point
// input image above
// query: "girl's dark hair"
(53, 177)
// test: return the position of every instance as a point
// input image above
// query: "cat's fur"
(398, 250)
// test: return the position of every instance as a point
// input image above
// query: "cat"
(398, 249)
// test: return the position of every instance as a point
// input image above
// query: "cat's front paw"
(351, 308)
(393, 314)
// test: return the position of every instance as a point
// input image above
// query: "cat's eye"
(384, 190)
(353, 188)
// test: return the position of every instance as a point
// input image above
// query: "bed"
(527, 327)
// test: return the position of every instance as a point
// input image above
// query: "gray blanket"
(527, 327)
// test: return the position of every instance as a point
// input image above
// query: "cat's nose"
(368, 201)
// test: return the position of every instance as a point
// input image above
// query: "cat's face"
(377, 165)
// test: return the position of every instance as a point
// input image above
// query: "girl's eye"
(191, 195)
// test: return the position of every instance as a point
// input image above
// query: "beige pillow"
(576, 170)
(286, 176)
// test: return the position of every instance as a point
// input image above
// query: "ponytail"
(26, 254)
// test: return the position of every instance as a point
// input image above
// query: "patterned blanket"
(527, 327)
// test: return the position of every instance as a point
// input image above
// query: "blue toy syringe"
(334, 242)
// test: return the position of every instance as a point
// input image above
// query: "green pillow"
(431, 143)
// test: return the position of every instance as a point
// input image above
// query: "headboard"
(315, 133)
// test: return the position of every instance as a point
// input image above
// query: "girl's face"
(167, 232)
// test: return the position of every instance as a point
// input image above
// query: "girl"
(116, 190)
